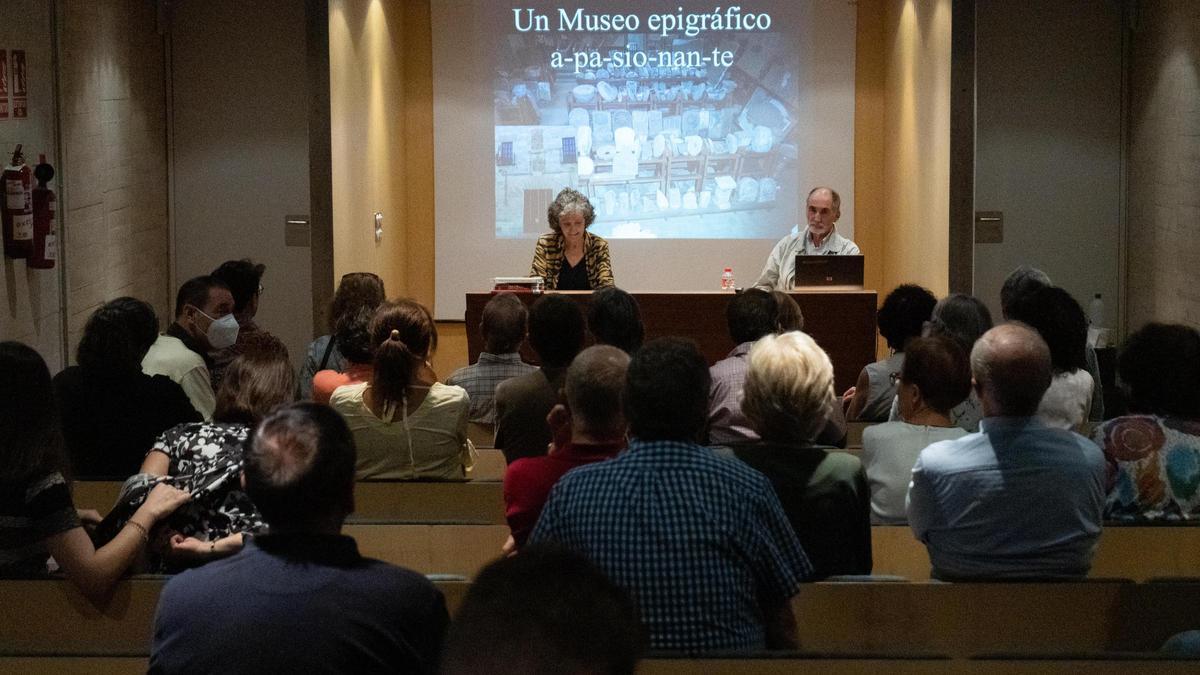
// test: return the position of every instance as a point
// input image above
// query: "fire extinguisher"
(45, 233)
(17, 213)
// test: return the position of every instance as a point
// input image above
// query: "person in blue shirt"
(1019, 499)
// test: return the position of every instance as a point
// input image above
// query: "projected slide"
(677, 123)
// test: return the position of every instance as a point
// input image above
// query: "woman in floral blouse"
(1154, 454)
(205, 458)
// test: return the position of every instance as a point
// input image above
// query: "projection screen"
(696, 130)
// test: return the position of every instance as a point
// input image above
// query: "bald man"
(823, 207)
(1018, 499)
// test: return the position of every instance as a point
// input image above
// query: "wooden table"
(842, 322)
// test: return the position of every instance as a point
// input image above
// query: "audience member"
(356, 291)
(935, 379)
(789, 316)
(1055, 315)
(1019, 499)
(503, 329)
(556, 333)
(356, 348)
(614, 318)
(964, 319)
(1152, 452)
(110, 410)
(788, 393)
(300, 598)
(406, 424)
(901, 318)
(205, 459)
(204, 322)
(244, 279)
(37, 517)
(663, 519)
(597, 432)
(750, 315)
(1024, 280)
(548, 610)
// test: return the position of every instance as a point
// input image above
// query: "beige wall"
(114, 157)
(29, 299)
(240, 131)
(381, 112)
(902, 143)
(1164, 165)
(382, 145)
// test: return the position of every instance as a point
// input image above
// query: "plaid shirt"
(480, 380)
(696, 538)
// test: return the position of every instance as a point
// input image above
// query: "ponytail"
(402, 332)
(394, 368)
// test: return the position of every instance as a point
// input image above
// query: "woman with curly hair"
(901, 318)
(571, 258)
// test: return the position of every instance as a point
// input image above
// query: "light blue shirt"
(780, 270)
(1017, 499)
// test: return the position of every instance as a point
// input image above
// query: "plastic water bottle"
(1096, 311)
(727, 283)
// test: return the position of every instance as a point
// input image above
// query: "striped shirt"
(697, 539)
(549, 255)
(480, 380)
(30, 513)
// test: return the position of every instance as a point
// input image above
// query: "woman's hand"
(88, 517)
(163, 500)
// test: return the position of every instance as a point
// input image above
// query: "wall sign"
(20, 85)
(3, 84)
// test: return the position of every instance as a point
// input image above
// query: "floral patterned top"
(1153, 467)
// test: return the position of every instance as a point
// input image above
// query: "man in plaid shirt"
(700, 541)
(503, 329)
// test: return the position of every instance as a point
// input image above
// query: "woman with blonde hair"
(786, 398)
(406, 424)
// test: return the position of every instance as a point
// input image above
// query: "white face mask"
(221, 332)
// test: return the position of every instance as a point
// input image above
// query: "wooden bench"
(453, 548)
(1139, 553)
(476, 501)
(1140, 664)
(959, 620)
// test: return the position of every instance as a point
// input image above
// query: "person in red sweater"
(596, 433)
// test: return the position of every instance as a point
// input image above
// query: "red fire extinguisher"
(45, 233)
(17, 213)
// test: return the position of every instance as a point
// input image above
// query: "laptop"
(829, 272)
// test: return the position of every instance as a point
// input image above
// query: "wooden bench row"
(1094, 664)
(919, 619)
(1137, 553)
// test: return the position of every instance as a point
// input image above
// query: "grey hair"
(837, 199)
(570, 201)
(1023, 280)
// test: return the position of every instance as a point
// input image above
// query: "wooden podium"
(842, 322)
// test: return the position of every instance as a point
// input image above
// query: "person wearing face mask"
(204, 322)
(571, 258)
(935, 377)
(823, 208)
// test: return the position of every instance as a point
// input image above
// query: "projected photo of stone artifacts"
(670, 136)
